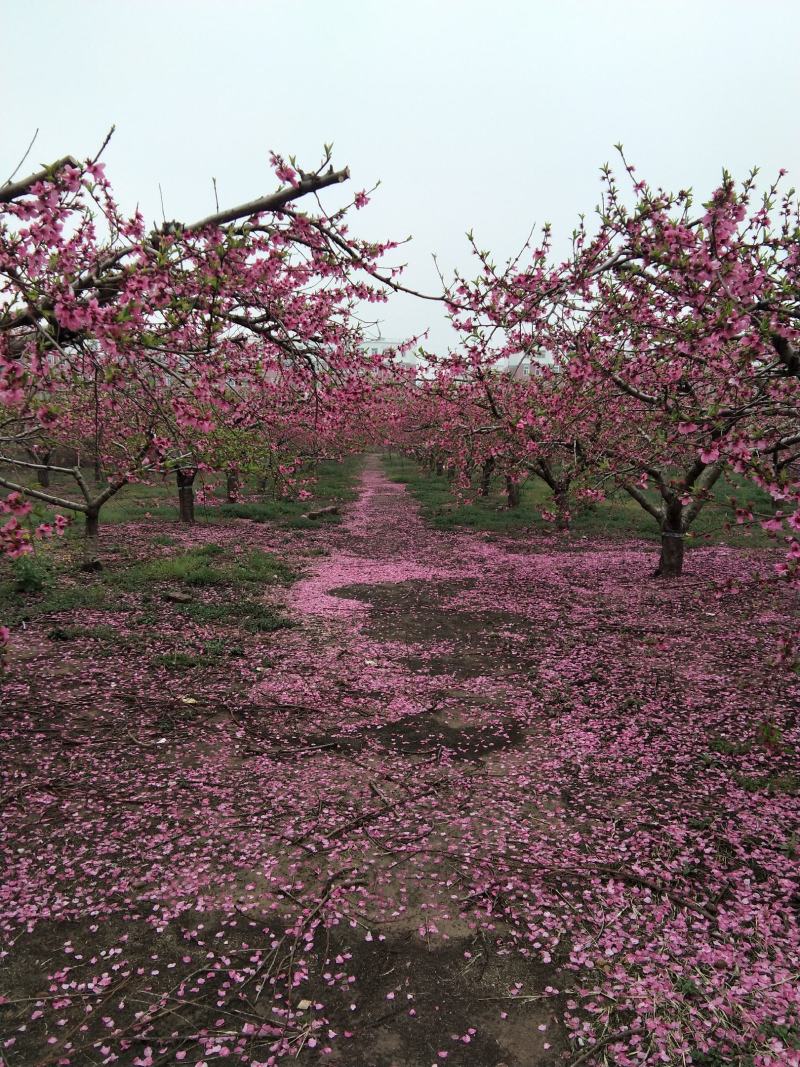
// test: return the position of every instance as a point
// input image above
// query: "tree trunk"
(513, 492)
(561, 499)
(42, 473)
(487, 470)
(232, 487)
(92, 527)
(98, 471)
(185, 481)
(439, 467)
(670, 565)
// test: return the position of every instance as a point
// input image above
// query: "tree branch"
(703, 484)
(642, 501)
(48, 498)
(311, 183)
(11, 190)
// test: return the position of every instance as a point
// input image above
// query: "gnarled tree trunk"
(561, 500)
(92, 525)
(185, 480)
(487, 470)
(42, 473)
(670, 564)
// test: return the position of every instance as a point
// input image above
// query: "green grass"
(34, 586)
(251, 615)
(731, 748)
(334, 484)
(210, 654)
(181, 661)
(619, 516)
(193, 568)
(258, 566)
(772, 784)
(203, 567)
(19, 606)
(77, 633)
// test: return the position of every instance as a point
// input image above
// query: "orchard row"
(660, 353)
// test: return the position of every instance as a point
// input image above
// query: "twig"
(27, 153)
(103, 146)
(657, 887)
(376, 792)
(620, 1035)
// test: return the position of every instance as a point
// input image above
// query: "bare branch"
(703, 484)
(48, 498)
(642, 501)
(275, 201)
(34, 466)
(27, 152)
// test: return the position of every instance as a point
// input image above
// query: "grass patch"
(191, 568)
(258, 566)
(252, 616)
(731, 748)
(21, 607)
(182, 661)
(335, 484)
(213, 652)
(618, 516)
(76, 633)
(773, 784)
(31, 588)
(203, 567)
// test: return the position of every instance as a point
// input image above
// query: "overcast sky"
(473, 114)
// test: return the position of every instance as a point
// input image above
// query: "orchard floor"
(491, 801)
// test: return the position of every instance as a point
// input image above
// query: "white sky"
(474, 114)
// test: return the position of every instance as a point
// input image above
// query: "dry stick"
(639, 879)
(376, 792)
(620, 1035)
(11, 176)
(107, 996)
(289, 751)
(365, 817)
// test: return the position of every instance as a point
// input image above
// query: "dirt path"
(489, 800)
(410, 703)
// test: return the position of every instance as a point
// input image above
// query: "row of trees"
(662, 352)
(230, 343)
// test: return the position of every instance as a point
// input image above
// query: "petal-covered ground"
(490, 802)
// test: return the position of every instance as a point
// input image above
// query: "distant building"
(377, 346)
